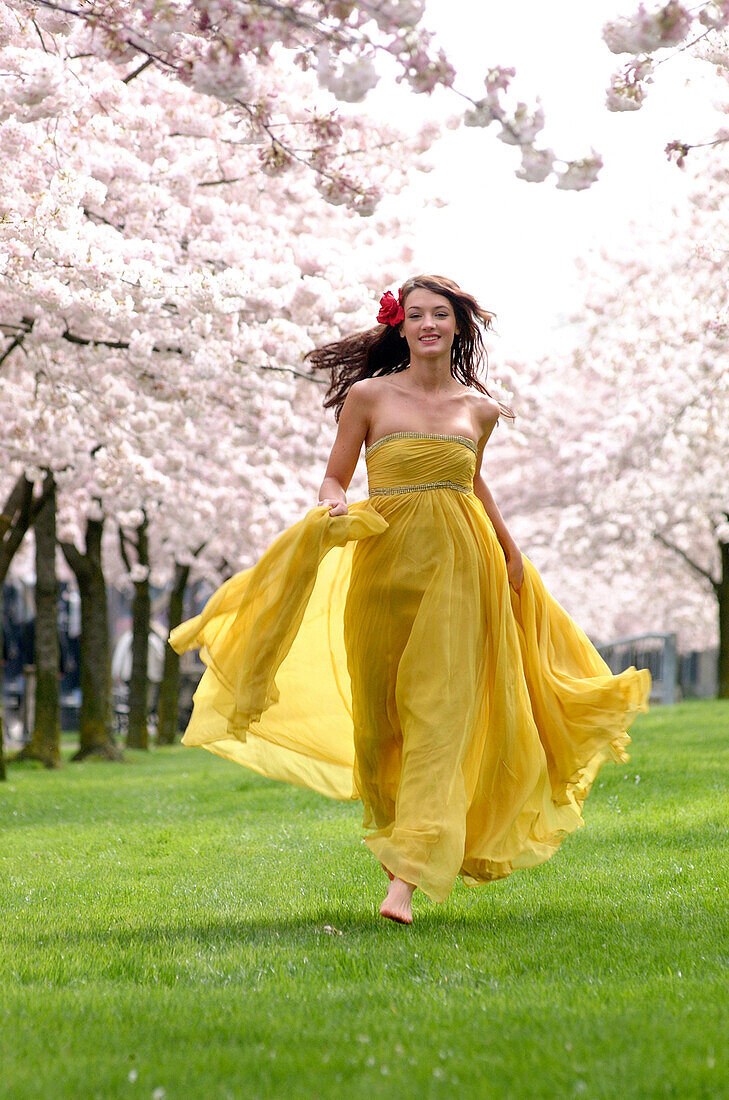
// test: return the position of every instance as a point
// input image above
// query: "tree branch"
(137, 71)
(286, 370)
(74, 557)
(18, 502)
(19, 513)
(26, 326)
(689, 561)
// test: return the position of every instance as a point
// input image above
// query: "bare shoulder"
(365, 387)
(362, 393)
(367, 395)
(485, 410)
(357, 411)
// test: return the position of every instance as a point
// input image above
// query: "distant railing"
(698, 673)
(660, 659)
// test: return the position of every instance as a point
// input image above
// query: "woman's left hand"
(515, 568)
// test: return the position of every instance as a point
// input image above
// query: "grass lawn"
(176, 927)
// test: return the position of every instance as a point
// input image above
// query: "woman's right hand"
(336, 507)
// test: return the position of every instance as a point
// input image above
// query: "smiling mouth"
(429, 339)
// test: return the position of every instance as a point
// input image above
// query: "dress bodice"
(405, 462)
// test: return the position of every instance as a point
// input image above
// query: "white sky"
(514, 243)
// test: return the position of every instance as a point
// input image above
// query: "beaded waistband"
(391, 490)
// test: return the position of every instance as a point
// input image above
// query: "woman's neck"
(430, 377)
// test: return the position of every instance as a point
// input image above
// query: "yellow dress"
(383, 656)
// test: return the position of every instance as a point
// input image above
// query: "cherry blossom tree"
(157, 292)
(629, 439)
(45, 742)
(228, 48)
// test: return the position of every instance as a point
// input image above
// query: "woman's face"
(430, 323)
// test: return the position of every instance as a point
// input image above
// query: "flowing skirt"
(383, 656)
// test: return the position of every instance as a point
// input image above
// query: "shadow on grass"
(505, 923)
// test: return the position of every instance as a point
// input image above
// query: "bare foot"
(387, 872)
(397, 904)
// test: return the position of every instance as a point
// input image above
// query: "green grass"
(179, 924)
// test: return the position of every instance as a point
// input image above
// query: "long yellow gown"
(384, 656)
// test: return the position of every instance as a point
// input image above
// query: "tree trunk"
(722, 594)
(95, 724)
(3, 773)
(170, 687)
(720, 588)
(138, 734)
(45, 743)
(18, 513)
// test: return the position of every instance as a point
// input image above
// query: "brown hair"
(383, 350)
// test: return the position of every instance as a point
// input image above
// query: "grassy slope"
(173, 924)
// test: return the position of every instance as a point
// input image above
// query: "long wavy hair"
(383, 350)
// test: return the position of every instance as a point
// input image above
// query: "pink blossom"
(536, 164)
(348, 81)
(481, 114)
(579, 174)
(715, 16)
(521, 127)
(645, 31)
(623, 97)
(498, 79)
(391, 15)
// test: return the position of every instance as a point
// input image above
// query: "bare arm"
(512, 553)
(514, 563)
(482, 491)
(353, 424)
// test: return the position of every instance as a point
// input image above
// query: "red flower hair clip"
(391, 311)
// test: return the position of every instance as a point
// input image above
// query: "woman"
(401, 650)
